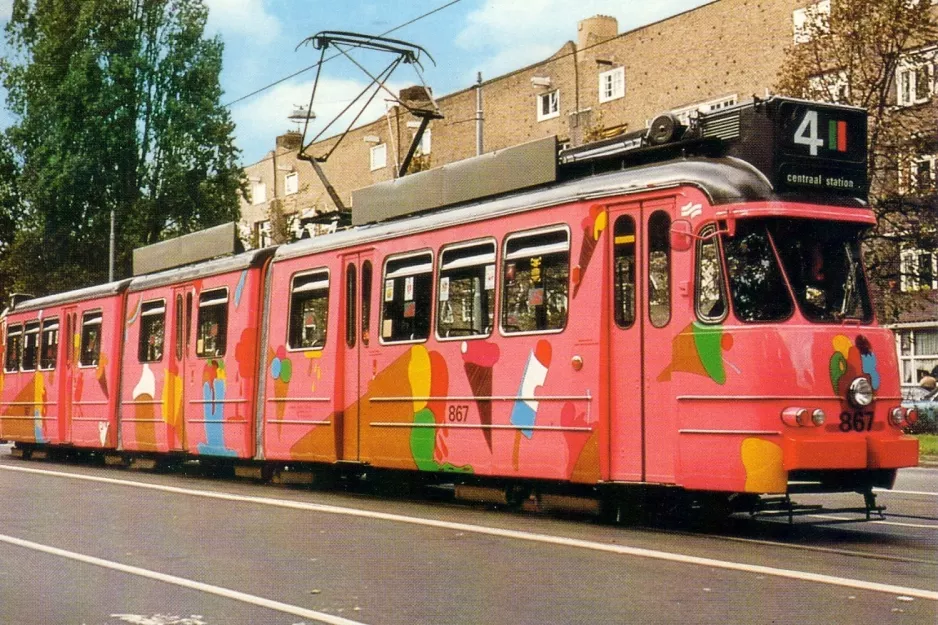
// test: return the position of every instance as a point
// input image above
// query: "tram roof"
(72, 297)
(725, 180)
(239, 262)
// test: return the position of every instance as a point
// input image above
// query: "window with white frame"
(915, 80)
(262, 233)
(258, 192)
(548, 105)
(922, 173)
(426, 142)
(832, 87)
(684, 114)
(612, 84)
(918, 270)
(811, 21)
(918, 356)
(291, 183)
(379, 156)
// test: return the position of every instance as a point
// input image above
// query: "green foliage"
(118, 109)
(852, 57)
(927, 444)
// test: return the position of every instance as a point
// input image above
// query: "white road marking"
(181, 581)
(904, 492)
(832, 517)
(512, 534)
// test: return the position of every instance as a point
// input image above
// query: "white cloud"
(261, 119)
(6, 9)
(509, 35)
(241, 17)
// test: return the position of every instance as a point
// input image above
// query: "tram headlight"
(897, 417)
(818, 417)
(860, 393)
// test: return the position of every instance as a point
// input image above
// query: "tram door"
(624, 360)
(175, 406)
(357, 283)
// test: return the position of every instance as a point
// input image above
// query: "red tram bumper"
(862, 453)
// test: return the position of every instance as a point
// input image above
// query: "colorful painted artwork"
(524, 410)
(214, 381)
(594, 224)
(698, 349)
(479, 358)
(851, 360)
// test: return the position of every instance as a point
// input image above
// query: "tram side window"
(659, 269)
(711, 286)
(50, 344)
(212, 336)
(30, 346)
(536, 279)
(351, 288)
(624, 271)
(14, 351)
(90, 338)
(366, 302)
(408, 288)
(466, 295)
(309, 310)
(152, 331)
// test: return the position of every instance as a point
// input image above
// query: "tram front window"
(822, 261)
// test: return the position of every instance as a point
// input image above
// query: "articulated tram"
(683, 308)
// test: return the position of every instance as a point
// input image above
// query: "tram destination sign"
(806, 148)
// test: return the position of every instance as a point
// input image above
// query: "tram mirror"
(682, 235)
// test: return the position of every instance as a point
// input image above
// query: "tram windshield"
(820, 259)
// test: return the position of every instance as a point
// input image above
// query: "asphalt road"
(91, 545)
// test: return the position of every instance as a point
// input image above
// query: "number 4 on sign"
(807, 133)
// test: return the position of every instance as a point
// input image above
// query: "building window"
(291, 183)
(379, 156)
(14, 348)
(408, 288)
(466, 293)
(915, 82)
(90, 338)
(258, 193)
(918, 270)
(612, 84)
(811, 21)
(262, 233)
(309, 310)
(50, 344)
(548, 105)
(152, 331)
(833, 87)
(922, 174)
(536, 277)
(30, 346)
(212, 336)
(918, 357)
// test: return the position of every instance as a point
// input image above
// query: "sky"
(463, 37)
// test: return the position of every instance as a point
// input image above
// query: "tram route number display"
(856, 421)
(820, 148)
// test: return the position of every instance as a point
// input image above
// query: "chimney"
(290, 141)
(595, 29)
(416, 94)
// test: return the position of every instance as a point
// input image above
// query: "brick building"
(602, 84)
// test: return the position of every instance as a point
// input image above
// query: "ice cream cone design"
(524, 411)
(479, 357)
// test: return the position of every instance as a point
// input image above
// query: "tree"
(851, 52)
(118, 109)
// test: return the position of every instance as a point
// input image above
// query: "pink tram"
(682, 307)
